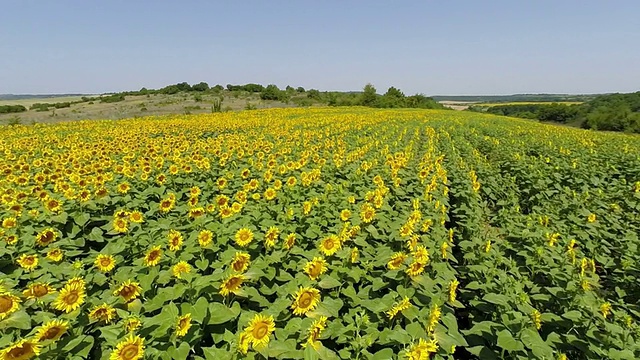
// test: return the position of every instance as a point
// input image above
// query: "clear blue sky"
(432, 47)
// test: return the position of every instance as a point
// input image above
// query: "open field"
(322, 233)
(531, 103)
(136, 106)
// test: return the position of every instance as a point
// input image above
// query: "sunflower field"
(326, 233)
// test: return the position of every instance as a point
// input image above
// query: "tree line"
(612, 112)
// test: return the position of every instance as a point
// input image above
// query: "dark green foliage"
(202, 86)
(217, 104)
(112, 98)
(252, 88)
(313, 94)
(544, 112)
(10, 109)
(271, 92)
(369, 96)
(300, 89)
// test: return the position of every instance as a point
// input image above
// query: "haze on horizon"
(436, 48)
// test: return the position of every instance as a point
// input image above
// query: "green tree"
(369, 96)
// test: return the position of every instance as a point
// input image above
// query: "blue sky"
(431, 47)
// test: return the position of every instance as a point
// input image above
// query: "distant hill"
(516, 98)
(34, 96)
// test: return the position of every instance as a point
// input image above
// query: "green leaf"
(217, 354)
(221, 314)
(199, 310)
(507, 342)
(329, 282)
(497, 299)
(573, 315)
(383, 354)
(17, 320)
(182, 352)
(532, 340)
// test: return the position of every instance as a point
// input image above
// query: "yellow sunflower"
(132, 324)
(244, 237)
(354, 256)
(205, 237)
(259, 330)
(330, 245)
(54, 255)
(270, 194)
(8, 304)
(52, 330)
(367, 213)
(183, 325)
(37, 290)
(152, 258)
(175, 240)
(71, 296)
(241, 261)
(104, 313)
(315, 331)
(422, 350)
(9, 222)
(46, 237)
(131, 348)
(415, 268)
(120, 225)
(315, 267)
(305, 300)
(345, 214)
(53, 205)
(128, 290)
(21, 350)
(28, 262)
(136, 217)
(105, 263)
(231, 284)
(396, 260)
(271, 237)
(180, 268)
(289, 241)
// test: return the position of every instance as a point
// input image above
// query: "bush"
(112, 98)
(11, 109)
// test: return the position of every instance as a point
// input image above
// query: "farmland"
(320, 233)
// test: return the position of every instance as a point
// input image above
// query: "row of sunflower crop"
(318, 233)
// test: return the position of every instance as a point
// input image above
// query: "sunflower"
(401, 306)
(345, 214)
(9, 222)
(105, 263)
(183, 325)
(306, 207)
(52, 330)
(166, 205)
(306, 299)
(46, 237)
(175, 240)
(270, 194)
(271, 237)
(330, 245)
(422, 350)
(197, 212)
(124, 188)
(136, 217)
(28, 262)
(54, 255)
(415, 268)
(131, 348)
(132, 324)
(152, 258)
(231, 284)
(244, 237)
(128, 290)
(355, 254)
(195, 191)
(259, 330)
(314, 332)
(367, 213)
(37, 290)
(103, 312)
(53, 205)
(222, 200)
(591, 218)
(241, 261)
(8, 304)
(120, 225)
(453, 286)
(396, 260)
(205, 237)
(289, 241)
(315, 267)
(21, 350)
(71, 296)
(226, 212)
(180, 268)
(11, 239)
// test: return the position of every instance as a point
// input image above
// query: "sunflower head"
(38, 290)
(54, 255)
(241, 261)
(131, 348)
(153, 256)
(205, 237)
(259, 330)
(105, 263)
(330, 245)
(244, 237)
(28, 262)
(180, 268)
(46, 237)
(128, 290)
(21, 350)
(315, 267)
(70, 298)
(305, 300)
(8, 304)
(175, 240)
(183, 325)
(52, 330)
(104, 313)
(231, 284)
